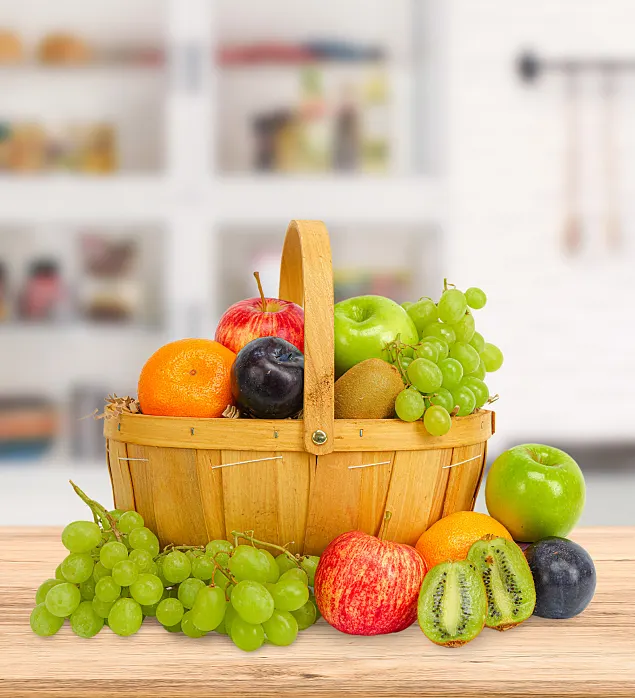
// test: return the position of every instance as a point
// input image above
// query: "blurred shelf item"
(396, 283)
(11, 49)
(63, 48)
(28, 426)
(330, 197)
(295, 53)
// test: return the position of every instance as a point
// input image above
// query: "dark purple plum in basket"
(267, 378)
(564, 575)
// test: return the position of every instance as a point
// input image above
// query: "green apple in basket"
(363, 327)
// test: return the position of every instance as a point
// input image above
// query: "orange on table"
(451, 537)
(187, 378)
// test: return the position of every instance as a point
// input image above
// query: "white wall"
(565, 325)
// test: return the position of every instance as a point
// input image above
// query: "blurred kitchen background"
(153, 151)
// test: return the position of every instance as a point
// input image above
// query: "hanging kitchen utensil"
(612, 225)
(572, 230)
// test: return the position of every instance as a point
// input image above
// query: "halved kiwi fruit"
(452, 604)
(511, 595)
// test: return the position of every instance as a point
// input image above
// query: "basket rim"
(288, 434)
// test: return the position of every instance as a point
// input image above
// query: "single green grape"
(77, 567)
(284, 563)
(203, 568)
(274, 572)
(296, 573)
(464, 329)
(281, 629)
(176, 566)
(87, 589)
(84, 621)
(188, 628)
(477, 342)
(151, 610)
(492, 357)
(209, 608)
(107, 590)
(478, 387)
(147, 589)
(440, 331)
(437, 420)
(43, 622)
(159, 573)
(63, 599)
(221, 580)
(317, 608)
(125, 573)
(309, 565)
(289, 595)
(43, 589)
(246, 636)
(476, 298)
(141, 558)
(442, 346)
(230, 615)
(125, 616)
(406, 304)
(427, 350)
(466, 355)
(425, 375)
(247, 562)
(173, 628)
(188, 591)
(170, 612)
(464, 399)
(112, 553)
(220, 551)
(404, 362)
(452, 372)
(125, 539)
(81, 536)
(129, 520)
(116, 514)
(409, 405)
(442, 397)
(452, 306)
(305, 615)
(100, 571)
(422, 313)
(59, 574)
(102, 608)
(142, 538)
(252, 601)
(480, 372)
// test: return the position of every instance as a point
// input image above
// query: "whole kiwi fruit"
(452, 603)
(509, 584)
(368, 391)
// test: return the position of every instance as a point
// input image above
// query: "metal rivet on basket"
(319, 437)
(275, 434)
(119, 427)
(361, 433)
(192, 431)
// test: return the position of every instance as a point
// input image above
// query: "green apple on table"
(364, 325)
(535, 491)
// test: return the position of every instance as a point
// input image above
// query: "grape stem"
(99, 513)
(248, 535)
(493, 398)
(382, 530)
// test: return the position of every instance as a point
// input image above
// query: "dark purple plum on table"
(564, 576)
(267, 378)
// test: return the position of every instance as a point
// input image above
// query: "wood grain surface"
(591, 655)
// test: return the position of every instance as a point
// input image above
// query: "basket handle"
(306, 278)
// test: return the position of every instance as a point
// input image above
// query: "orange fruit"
(187, 378)
(451, 537)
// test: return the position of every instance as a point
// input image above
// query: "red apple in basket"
(368, 586)
(261, 317)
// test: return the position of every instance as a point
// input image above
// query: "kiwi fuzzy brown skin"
(506, 575)
(368, 391)
(468, 592)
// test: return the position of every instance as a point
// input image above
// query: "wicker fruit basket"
(304, 480)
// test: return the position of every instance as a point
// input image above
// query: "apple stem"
(247, 536)
(382, 530)
(262, 293)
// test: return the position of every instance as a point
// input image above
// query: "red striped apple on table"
(261, 317)
(368, 586)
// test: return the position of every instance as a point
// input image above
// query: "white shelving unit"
(179, 187)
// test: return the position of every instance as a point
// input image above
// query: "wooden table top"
(593, 654)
